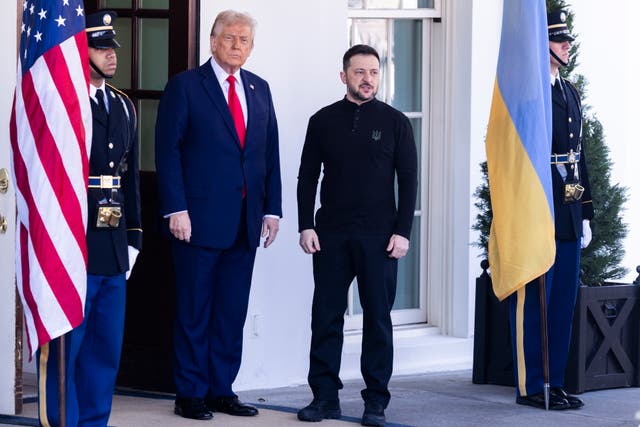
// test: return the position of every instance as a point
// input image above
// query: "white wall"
(610, 64)
(7, 209)
(487, 24)
(298, 50)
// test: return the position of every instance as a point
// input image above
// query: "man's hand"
(309, 241)
(270, 227)
(180, 226)
(398, 246)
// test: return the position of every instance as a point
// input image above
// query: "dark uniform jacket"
(114, 140)
(567, 123)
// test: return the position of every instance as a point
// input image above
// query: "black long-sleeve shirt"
(363, 148)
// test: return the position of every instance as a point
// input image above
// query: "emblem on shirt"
(376, 135)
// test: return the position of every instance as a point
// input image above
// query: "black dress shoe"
(556, 402)
(373, 415)
(319, 410)
(193, 408)
(574, 402)
(231, 405)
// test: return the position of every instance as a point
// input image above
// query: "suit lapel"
(214, 91)
(250, 95)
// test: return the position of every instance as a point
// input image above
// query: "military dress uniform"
(114, 224)
(572, 204)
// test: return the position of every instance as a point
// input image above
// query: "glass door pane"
(147, 113)
(154, 4)
(408, 290)
(153, 59)
(122, 79)
(116, 4)
(405, 66)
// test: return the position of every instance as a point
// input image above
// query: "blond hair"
(230, 17)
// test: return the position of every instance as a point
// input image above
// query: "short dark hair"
(359, 49)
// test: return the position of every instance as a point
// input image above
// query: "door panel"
(159, 39)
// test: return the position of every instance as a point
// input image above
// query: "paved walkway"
(438, 399)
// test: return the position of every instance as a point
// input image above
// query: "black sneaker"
(373, 415)
(319, 410)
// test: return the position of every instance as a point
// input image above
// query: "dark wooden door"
(158, 39)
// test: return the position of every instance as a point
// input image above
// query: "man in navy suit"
(219, 185)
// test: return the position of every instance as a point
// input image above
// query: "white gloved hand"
(133, 254)
(586, 234)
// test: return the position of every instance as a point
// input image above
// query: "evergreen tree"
(600, 261)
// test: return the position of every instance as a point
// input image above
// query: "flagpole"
(62, 381)
(545, 339)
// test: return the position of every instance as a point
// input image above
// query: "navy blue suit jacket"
(200, 165)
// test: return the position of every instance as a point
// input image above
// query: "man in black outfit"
(363, 144)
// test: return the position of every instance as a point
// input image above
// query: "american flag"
(50, 140)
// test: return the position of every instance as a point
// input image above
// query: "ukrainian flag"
(522, 238)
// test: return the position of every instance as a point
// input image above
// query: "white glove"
(133, 254)
(586, 234)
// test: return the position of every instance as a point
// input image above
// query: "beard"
(355, 94)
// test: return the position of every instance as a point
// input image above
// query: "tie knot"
(231, 80)
(100, 99)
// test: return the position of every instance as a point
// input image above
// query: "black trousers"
(342, 257)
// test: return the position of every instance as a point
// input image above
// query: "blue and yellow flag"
(522, 239)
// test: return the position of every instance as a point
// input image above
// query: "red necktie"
(236, 110)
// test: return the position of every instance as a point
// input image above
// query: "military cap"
(558, 29)
(100, 32)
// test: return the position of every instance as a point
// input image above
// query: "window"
(399, 30)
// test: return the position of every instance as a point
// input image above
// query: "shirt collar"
(93, 89)
(222, 75)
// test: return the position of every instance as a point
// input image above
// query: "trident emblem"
(376, 135)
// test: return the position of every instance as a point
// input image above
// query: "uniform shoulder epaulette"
(570, 84)
(126, 102)
(115, 89)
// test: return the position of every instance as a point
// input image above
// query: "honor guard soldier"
(114, 238)
(573, 210)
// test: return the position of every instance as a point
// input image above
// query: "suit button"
(111, 146)
(570, 120)
(111, 164)
(571, 135)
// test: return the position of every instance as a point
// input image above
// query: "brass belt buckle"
(106, 181)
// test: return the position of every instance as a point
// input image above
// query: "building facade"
(438, 60)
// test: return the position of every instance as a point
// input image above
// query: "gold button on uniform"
(111, 164)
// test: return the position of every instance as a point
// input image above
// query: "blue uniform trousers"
(561, 282)
(343, 257)
(92, 358)
(212, 296)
